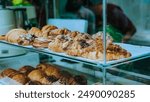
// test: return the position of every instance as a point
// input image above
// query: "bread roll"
(9, 72)
(33, 83)
(2, 37)
(35, 31)
(26, 69)
(13, 35)
(20, 78)
(38, 75)
(52, 71)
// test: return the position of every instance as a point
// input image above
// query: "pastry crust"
(20, 78)
(9, 72)
(35, 31)
(13, 35)
(26, 69)
(2, 37)
(38, 75)
(41, 42)
(60, 43)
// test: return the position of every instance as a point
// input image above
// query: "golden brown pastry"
(48, 28)
(33, 83)
(26, 39)
(41, 42)
(26, 69)
(2, 37)
(60, 43)
(38, 75)
(81, 44)
(42, 66)
(65, 78)
(9, 72)
(20, 78)
(52, 71)
(35, 31)
(13, 35)
(59, 32)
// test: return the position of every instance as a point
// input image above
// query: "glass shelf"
(138, 53)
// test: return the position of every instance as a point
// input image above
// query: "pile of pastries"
(43, 74)
(65, 41)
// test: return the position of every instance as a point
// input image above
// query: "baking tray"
(138, 53)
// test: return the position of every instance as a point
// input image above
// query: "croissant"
(26, 69)
(52, 71)
(38, 75)
(9, 73)
(13, 35)
(35, 31)
(2, 37)
(20, 78)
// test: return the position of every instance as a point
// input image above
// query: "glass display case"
(121, 43)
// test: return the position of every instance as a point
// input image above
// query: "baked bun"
(26, 39)
(52, 71)
(33, 83)
(65, 78)
(38, 75)
(2, 37)
(42, 66)
(60, 44)
(41, 42)
(20, 78)
(13, 35)
(9, 73)
(48, 28)
(35, 31)
(26, 69)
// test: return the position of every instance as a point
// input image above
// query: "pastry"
(41, 42)
(52, 71)
(60, 43)
(26, 39)
(65, 78)
(20, 78)
(47, 29)
(38, 75)
(2, 37)
(35, 31)
(26, 69)
(13, 35)
(42, 66)
(9, 73)
(33, 83)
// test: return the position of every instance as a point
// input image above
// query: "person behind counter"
(75, 9)
(118, 23)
